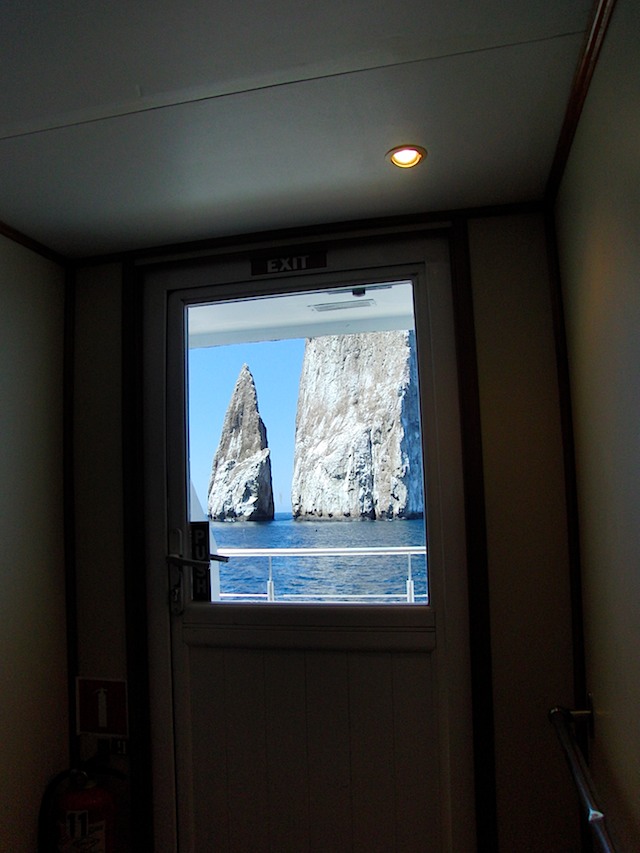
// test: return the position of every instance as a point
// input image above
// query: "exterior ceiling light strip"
(340, 306)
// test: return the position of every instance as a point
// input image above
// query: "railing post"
(271, 592)
(410, 588)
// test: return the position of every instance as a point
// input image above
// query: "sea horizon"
(284, 516)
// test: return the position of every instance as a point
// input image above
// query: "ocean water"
(377, 578)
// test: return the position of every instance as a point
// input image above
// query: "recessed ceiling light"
(406, 156)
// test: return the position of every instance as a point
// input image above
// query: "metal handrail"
(563, 721)
(362, 551)
(407, 551)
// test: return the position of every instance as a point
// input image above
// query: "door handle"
(177, 560)
(176, 594)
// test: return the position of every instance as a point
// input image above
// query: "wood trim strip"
(477, 551)
(69, 503)
(30, 243)
(324, 231)
(135, 582)
(241, 241)
(594, 39)
(569, 461)
(310, 638)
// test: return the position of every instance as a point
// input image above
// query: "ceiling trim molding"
(239, 242)
(595, 34)
(182, 251)
(34, 245)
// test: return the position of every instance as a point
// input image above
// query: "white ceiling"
(126, 125)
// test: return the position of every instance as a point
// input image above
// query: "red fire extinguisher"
(85, 816)
(77, 815)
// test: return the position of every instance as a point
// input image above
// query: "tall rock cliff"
(357, 449)
(240, 484)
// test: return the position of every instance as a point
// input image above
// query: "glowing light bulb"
(406, 156)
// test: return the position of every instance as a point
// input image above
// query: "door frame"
(136, 391)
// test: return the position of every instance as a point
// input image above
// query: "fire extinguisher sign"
(101, 707)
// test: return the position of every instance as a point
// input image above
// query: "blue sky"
(213, 372)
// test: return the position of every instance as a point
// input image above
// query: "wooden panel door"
(309, 727)
(314, 750)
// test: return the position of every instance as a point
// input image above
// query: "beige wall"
(526, 530)
(33, 707)
(98, 496)
(598, 221)
(98, 473)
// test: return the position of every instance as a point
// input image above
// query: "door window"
(305, 447)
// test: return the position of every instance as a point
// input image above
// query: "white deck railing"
(408, 551)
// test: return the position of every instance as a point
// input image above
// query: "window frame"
(241, 614)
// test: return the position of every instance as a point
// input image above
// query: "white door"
(288, 725)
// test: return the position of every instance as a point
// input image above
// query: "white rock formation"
(357, 448)
(240, 484)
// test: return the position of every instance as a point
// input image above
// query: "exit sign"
(295, 259)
